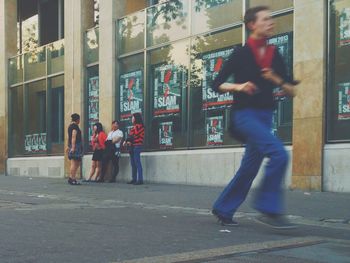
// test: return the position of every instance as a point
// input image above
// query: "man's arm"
(247, 87)
(116, 139)
(270, 75)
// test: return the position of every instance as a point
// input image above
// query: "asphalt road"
(47, 220)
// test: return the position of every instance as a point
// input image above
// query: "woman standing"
(98, 140)
(135, 142)
(75, 149)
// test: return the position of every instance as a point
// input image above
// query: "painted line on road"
(230, 251)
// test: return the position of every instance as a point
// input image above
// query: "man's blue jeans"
(255, 125)
(136, 166)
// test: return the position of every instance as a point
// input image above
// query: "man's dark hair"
(75, 117)
(250, 14)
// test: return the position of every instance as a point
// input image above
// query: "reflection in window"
(167, 22)
(168, 88)
(274, 5)
(208, 14)
(131, 32)
(283, 40)
(55, 54)
(30, 33)
(210, 111)
(91, 46)
(35, 117)
(338, 123)
(16, 133)
(56, 114)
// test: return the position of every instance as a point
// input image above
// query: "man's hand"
(270, 75)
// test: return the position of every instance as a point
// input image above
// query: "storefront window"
(208, 14)
(167, 71)
(16, 133)
(274, 5)
(131, 90)
(283, 115)
(131, 32)
(35, 117)
(56, 115)
(210, 112)
(167, 22)
(93, 105)
(338, 123)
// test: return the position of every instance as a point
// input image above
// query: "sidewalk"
(47, 220)
(321, 206)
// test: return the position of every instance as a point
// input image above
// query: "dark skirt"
(97, 155)
(77, 154)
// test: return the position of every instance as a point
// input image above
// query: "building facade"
(107, 59)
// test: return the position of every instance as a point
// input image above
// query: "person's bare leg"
(98, 170)
(73, 168)
(93, 169)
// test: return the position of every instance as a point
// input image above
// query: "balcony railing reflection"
(37, 63)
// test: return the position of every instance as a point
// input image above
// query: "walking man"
(112, 151)
(258, 68)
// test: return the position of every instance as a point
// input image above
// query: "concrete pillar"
(309, 106)
(78, 17)
(8, 48)
(107, 53)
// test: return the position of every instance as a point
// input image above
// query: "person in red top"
(135, 143)
(98, 145)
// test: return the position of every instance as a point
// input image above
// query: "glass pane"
(132, 6)
(167, 71)
(56, 115)
(208, 14)
(93, 105)
(274, 5)
(30, 33)
(55, 52)
(283, 39)
(16, 70)
(131, 32)
(35, 63)
(210, 112)
(91, 46)
(35, 117)
(167, 22)
(16, 132)
(131, 89)
(338, 122)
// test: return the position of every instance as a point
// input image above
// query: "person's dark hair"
(99, 127)
(117, 122)
(250, 14)
(138, 118)
(75, 117)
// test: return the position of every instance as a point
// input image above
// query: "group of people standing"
(106, 149)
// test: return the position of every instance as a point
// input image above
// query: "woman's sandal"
(73, 181)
